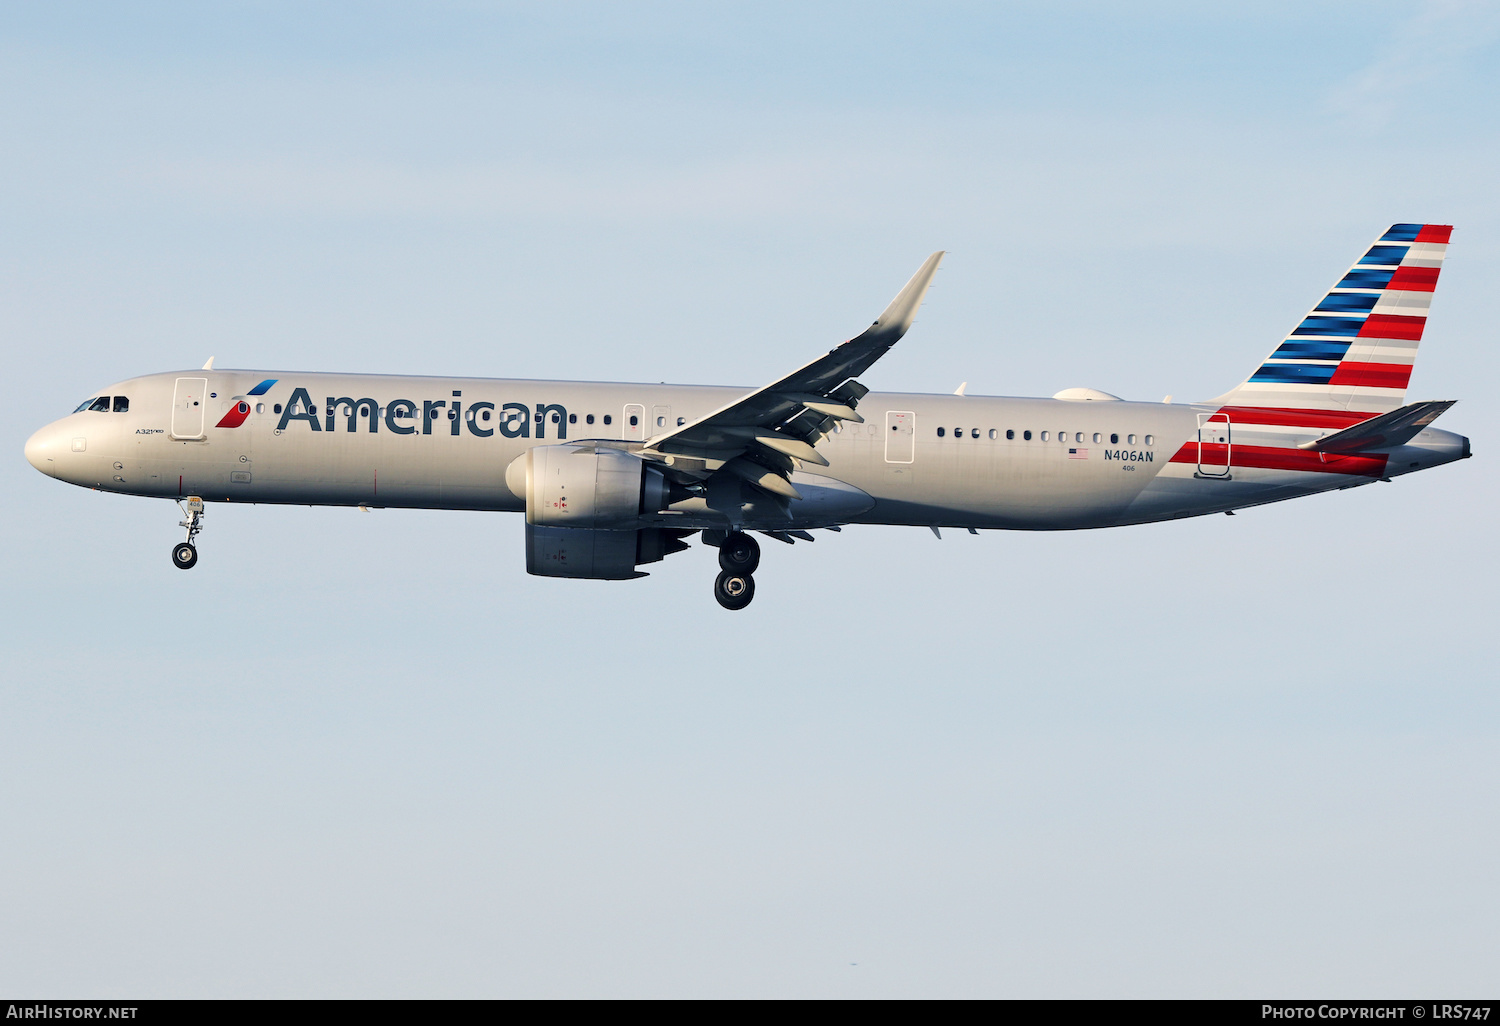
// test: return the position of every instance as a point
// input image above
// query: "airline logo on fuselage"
(241, 409)
(407, 417)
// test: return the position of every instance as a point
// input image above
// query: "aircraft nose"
(41, 450)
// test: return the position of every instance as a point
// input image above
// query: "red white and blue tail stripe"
(1354, 351)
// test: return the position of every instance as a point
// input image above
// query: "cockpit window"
(122, 404)
(100, 405)
(85, 405)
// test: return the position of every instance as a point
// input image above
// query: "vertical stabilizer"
(1355, 349)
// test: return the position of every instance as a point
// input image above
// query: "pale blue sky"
(359, 754)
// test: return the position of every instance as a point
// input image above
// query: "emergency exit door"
(634, 428)
(900, 436)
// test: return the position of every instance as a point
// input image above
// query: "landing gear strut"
(739, 555)
(185, 553)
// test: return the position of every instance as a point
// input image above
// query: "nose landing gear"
(739, 555)
(185, 553)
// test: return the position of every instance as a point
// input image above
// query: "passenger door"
(187, 407)
(1214, 444)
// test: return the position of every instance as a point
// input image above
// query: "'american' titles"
(405, 417)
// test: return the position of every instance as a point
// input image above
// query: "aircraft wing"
(759, 436)
(1383, 432)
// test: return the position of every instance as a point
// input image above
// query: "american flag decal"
(1078, 454)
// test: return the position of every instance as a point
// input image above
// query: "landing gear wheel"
(734, 590)
(739, 554)
(184, 555)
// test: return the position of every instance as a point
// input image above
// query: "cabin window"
(634, 420)
(1010, 434)
(1150, 439)
(276, 408)
(1026, 435)
(993, 434)
(260, 407)
(1114, 439)
(1062, 436)
(661, 421)
(608, 419)
(683, 420)
(572, 418)
(122, 404)
(485, 416)
(1130, 439)
(1098, 438)
(589, 419)
(1044, 437)
(557, 418)
(942, 432)
(974, 433)
(1078, 437)
(100, 405)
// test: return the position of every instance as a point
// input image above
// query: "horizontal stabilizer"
(1383, 432)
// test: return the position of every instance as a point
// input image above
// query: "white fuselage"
(918, 459)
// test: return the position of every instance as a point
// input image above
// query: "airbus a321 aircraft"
(612, 476)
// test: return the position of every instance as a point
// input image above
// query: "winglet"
(898, 316)
(210, 364)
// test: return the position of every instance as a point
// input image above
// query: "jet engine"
(582, 511)
(581, 486)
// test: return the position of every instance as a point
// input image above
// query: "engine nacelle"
(582, 487)
(596, 554)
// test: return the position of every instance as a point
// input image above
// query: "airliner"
(615, 476)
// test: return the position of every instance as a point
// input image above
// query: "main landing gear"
(185, 553)
(739, 555)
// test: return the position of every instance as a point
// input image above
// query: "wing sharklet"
(830, 373)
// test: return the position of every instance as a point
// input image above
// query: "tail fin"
(1355, 350)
